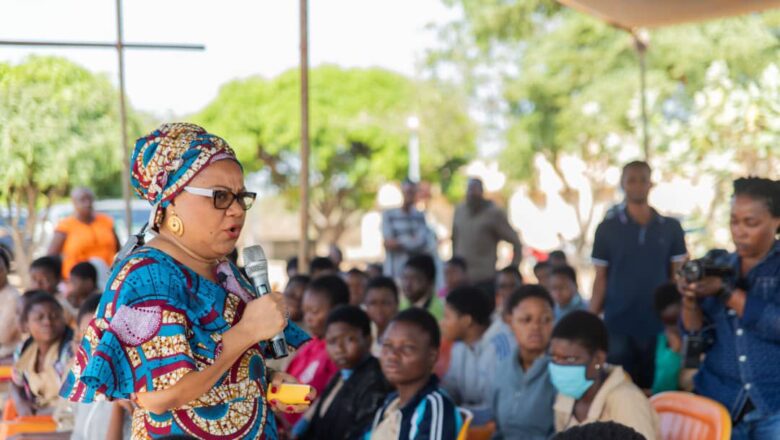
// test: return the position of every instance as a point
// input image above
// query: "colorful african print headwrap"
(165, 160)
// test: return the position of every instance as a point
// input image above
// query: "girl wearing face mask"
(588, 389)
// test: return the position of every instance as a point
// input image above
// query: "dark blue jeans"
(635, 355)
(756, 426)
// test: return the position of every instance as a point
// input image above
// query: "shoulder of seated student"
(627, 397)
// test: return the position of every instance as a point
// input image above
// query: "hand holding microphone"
(264, 318)
(256, 265)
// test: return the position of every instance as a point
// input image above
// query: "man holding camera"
(635, 250)
(737, 314)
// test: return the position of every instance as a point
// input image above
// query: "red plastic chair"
(686, 416)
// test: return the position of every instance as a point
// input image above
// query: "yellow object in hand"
(290, 394)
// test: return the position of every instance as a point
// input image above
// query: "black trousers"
(636, 355)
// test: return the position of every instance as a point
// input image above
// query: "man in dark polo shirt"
(635, 250)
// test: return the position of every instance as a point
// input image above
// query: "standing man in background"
(404, 230)
(479, 225)
(635, 250)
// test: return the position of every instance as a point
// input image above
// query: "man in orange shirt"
(84, 235)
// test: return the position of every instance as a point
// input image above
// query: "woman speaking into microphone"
(179, 330)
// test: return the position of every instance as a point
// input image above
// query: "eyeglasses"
(223, 198)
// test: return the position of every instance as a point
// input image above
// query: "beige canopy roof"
(631, 14)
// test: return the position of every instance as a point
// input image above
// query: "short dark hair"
(583, 328)
(600, 431)
(34, 297)
(526, 291)
(766, 191)
(458, 262)
(636, 164)
(89, 307)
(472, 301)
(557, 254)
(332, 287)
(383, 282)
(84, 270)
(358, 272)
(49, 264)
(424, 264)
(565, 271)
(666, 295)
(422, 319)
(513, 271)
(351, 315)
(321, 263)
(542, 265)
(292, 263)
(299, 279)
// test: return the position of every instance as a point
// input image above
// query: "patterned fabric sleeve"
(138, 341)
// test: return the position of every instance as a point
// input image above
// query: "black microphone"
(256, 266)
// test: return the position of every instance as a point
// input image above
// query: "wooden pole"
(303, 247)
(641, 50)
(123, 121)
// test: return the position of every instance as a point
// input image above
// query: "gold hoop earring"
(175, 225)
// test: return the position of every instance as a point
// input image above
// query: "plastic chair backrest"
(13, 424)
(467, 418)
(482, 432)
(9, 410)
(27, 425)
(686, 416)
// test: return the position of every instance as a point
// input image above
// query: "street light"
(413, 124)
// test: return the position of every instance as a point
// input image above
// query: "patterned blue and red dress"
(158, 320)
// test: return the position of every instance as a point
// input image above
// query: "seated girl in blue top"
(522, 394)
(418, 409)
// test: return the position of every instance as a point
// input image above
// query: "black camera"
(693, 348)
(696, 270)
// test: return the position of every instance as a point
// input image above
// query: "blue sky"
(242, 38)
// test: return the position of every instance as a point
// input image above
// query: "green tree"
(572, 84)
(730, 128)
(358, 135)
(59, 128)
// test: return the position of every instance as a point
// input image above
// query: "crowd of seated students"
(413, 358)
(528, 360)
(524, 358)
(45, 327)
